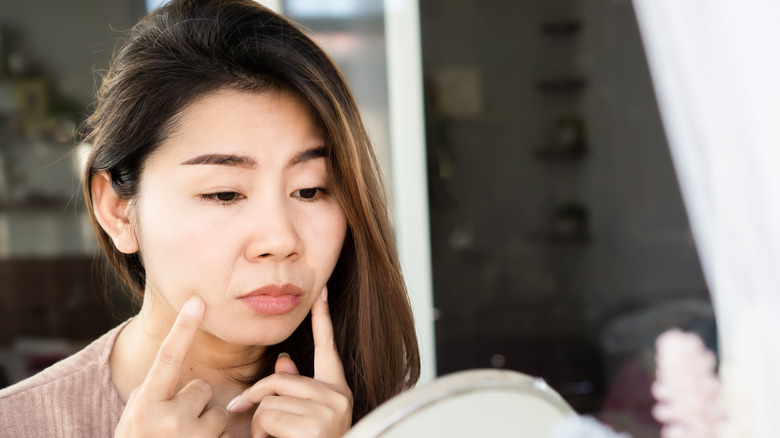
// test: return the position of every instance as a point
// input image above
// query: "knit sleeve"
(73, 398)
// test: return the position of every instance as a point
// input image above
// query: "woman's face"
(236, 207)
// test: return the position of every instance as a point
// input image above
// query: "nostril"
(271, 244)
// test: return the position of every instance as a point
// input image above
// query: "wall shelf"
(561, 85)
(562, 27)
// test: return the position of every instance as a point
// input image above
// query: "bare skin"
(285, 404)
(235, 208)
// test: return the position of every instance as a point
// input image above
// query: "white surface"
(409, 176)
(275, 5)
(715, 68)
(468, 404)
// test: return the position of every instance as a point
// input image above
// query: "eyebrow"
(246, 162)
(307, 155)
(222, 160)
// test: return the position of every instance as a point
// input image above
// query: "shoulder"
(74, 397)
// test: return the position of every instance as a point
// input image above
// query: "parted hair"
(189, 48)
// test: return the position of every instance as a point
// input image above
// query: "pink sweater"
(73, 398)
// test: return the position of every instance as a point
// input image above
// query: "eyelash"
(215, 197)
(315, 197)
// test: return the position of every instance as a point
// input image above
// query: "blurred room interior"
(559, 242)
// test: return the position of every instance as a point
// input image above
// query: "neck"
(219, 363)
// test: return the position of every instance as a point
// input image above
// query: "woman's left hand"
(291, 405)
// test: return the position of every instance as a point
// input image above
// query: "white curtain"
(716, 70)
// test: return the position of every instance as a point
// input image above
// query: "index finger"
(327, 363)
(160, 382)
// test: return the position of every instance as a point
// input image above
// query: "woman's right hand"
(154, 409)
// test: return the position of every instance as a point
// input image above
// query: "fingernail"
(324, 294)
(192, 306)
(233, 403)
(281, 355)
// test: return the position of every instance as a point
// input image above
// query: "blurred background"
(559, 244)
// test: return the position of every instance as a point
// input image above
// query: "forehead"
(256, 124)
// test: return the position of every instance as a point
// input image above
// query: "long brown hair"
(189, 48)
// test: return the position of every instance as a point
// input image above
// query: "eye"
(309, 194)
(223, 198)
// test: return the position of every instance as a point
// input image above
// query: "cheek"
(335, 231)
(323, 239)
(176, 249)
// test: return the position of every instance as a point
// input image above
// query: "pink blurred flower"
(686, 387)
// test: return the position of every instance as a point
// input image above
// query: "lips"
(273, 299)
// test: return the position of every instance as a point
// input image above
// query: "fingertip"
(321, 305)
(194, 306)
(235, 404)
(284, 364)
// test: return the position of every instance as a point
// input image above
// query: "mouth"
(273, 299)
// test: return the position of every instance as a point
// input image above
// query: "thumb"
(285, 365)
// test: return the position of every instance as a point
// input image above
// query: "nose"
(272, 234)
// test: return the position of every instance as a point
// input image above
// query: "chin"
(261, 335)
(250, 329)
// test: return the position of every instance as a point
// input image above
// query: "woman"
(233, 188)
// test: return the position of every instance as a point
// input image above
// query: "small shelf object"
(570, 225)
(566, 141)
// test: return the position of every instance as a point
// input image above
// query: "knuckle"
(279, 377)
(132, 416)
(202, 387)
(342, 402)
(267, 416)
(266, 403)
(349, 396)
(262, 419)
(224, 414)
(171, 425)
(314, 429)
(221, 417)
(275, 380)
(168, 356)
(257, 430)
